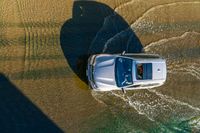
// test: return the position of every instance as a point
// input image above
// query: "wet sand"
(43, 66)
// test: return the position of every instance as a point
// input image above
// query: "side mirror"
(123, 53)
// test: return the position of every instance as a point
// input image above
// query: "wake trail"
(159, 105)
(165, 40)
(138, 21)
(128, 100)
(172, 100)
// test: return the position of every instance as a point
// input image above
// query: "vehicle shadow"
(93, 29)
(19, 114)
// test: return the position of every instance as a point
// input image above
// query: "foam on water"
(138, 23)
(158, 108)
(182, 55)
(153, 104)
(161, 42)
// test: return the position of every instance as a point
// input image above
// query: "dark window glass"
(123, 71)
(144, 71)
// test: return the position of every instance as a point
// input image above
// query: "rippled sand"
(34, 59)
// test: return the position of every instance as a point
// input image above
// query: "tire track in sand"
(41, 34)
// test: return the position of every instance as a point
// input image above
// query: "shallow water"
(173, 107)
(42, 65)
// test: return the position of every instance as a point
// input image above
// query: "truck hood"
(104, 73)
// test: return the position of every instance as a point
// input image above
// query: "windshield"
(123, 71)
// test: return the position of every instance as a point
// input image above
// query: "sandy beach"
(44, 46)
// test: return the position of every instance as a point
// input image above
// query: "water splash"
(155, 106)
(182, 54)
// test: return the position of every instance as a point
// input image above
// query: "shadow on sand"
(19, 115)
(95, 28)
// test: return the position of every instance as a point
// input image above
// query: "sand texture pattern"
(44, 46)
